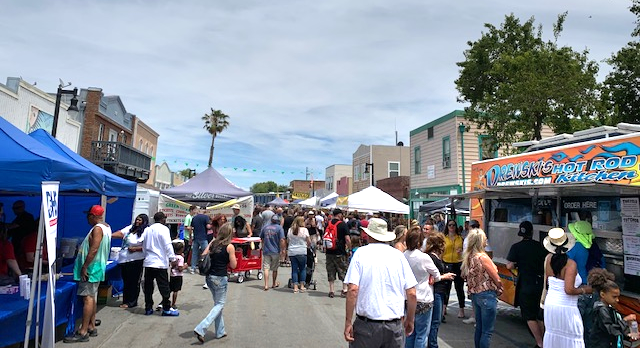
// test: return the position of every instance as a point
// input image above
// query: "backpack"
(330, 237)
(239, 224)
(595, 257)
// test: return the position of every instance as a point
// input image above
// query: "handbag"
(204, 264)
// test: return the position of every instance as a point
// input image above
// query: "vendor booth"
(592, 180)
(205, 189)
(374, 199)
(25, 163)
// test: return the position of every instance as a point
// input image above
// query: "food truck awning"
(554, 190)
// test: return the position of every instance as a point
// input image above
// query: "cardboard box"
(104, 294)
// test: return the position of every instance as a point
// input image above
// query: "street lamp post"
(72, 107)
(462, 128)
(366, 170)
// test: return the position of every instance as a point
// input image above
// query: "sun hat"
(558, 240)
(312, 213)
(95, 210)
(235, 206)
(377, 230)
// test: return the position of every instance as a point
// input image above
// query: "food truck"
(593, 175)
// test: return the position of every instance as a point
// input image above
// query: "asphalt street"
(275, 318)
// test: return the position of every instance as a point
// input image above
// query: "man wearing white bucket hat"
(561, 314)
(379, 279)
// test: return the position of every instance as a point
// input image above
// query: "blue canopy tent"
(25, 162)
(121, 193)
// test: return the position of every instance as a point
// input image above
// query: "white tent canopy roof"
(374, 199)
(310, 202)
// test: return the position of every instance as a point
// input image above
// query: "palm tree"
(214, 123)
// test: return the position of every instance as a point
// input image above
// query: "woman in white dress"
(562, 318)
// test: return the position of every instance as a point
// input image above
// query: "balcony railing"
(121, 159)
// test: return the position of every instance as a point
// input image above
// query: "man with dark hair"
(21, 226)
(199, 239)
(337, 258)
(528, 257)
(158, 253)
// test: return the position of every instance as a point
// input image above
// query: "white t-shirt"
(319, 223)
(298, 244)
(422, 266)
(130, 240)
(157, 247)
(382, 275)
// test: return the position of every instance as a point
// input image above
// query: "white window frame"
(389, 170)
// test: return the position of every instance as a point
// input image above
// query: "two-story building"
(336, 174)
(28, 108)
(376, 162)
(108, 136)
(441, 155)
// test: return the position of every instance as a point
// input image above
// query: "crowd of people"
(396, 279)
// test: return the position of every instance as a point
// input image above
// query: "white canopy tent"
(329, 199)
(374, 199)
(309, 202)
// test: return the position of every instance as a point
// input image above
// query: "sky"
(304, 82)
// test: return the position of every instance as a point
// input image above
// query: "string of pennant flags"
(261, 170)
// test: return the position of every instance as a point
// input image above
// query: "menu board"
(630, 213)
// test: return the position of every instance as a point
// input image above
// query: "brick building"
(398, 187)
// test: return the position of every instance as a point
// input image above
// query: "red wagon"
(249, 256)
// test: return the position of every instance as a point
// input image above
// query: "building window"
(394, 169)
(446, 152)
(100, 132)
(429, 132)
(151, 152)
(140, 145)
(487, 149)
(356, 173)
(146, 148)
(417, 160)
(363, 170)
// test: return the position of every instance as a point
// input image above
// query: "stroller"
(311, 267)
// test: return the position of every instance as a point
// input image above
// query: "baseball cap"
(337, 211)
(275, 218)
(474, 224)
(312, 213)
(235, 206)
(526, 229)
(95, 210)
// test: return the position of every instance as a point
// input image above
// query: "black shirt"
(528, 255)
(288, 221)
(219, 260)
(441, 286)
(199, 224)
(343, 232)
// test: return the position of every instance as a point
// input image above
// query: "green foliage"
(516, 82)
(268, 186)
(188, 173)
(214, 123)
(621, 87)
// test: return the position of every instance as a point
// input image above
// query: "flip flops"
(276, 285)
(331, 294)
(343, 293)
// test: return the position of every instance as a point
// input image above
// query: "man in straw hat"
(379, 278)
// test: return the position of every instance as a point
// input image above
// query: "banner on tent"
(300, 195)
(246, 207)
(174, 209)
(50, 213)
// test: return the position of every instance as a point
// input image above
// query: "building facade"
(303, 189)
(383, 161)
(334, 173)
(437, 168)
(28, 108)
(145, 139)
(398, 187)
(344, 186)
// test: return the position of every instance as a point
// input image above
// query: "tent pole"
(37, 268)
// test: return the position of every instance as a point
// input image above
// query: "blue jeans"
(197, 248)
(436, 318)
(218, 287)
(485, 305)
(421, 328)
(298, 268)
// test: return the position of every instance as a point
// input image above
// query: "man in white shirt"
(158, 253)
(379, 279)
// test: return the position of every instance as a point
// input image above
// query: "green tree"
(621, 87)
(214, 122)
(516, 82)
(188, 173)
(264, 187)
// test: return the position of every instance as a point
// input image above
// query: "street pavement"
(275, 318)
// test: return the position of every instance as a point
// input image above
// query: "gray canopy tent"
(207, 187)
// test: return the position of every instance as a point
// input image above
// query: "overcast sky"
(304, 82)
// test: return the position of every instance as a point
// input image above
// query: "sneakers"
(171, 313)
(205, 286)
(148, 312)
(93, 333)
(470, 320)
(159, 308)
(77, 338)
(192, 271)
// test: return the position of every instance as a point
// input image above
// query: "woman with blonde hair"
(484, 286)
(222, 255)
(299, 241)
(401, 236)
